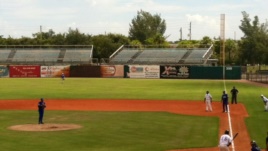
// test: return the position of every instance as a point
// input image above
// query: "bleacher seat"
(196, 56)
(124, 56)
(4, 54)
(77, 55)
(157, 55)
(32, 55)
(46, 54)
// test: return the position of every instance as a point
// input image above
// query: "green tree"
(136, 43)
(119, 39)
(205, 42)
(58, 39)
(105, 45)
(75, 37)
(230, 51)
(147, 28)
(188, 44)
(253, 45)
(216, 48)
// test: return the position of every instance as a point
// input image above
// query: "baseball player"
(41, 109)
(224, 99)
(254, 146)
(234, 93)
(265, 101)
(225, 141)
(266, 142)
(62, 76)
(208, 101)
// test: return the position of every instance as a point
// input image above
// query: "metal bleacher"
(82, 54)
(124, 56)
(158, 56)
(198, 55)
(4, 53)
(36, 55)
(45, 54)
(150, 55)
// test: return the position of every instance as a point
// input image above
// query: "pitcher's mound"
(44, 127)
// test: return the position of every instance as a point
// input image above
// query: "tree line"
(149, 29)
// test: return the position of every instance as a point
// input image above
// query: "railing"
(255, 77)
(45, 46)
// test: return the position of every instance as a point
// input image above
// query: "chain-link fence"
(257, 73)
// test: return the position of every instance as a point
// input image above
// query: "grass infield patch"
(110, 131)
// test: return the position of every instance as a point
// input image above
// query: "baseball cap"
(253, 142)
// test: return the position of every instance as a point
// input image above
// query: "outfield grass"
(156, 128)
(109, 88)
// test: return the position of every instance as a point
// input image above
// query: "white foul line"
(229, 118)
(230, 126)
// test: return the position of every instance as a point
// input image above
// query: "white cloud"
(210, 21)
(22, 18)
(92, 3)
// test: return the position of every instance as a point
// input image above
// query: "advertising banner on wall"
(24, 71)
(174, 72)
(85, 71)
(112, 71)
(141, 71)
(4, 72)
(54, 71)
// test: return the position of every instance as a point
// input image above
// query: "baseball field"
(128, 114)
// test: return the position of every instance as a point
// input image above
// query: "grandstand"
(82, 54)
(78, 54)
(185, 56)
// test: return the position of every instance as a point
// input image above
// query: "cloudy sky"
(24, 17)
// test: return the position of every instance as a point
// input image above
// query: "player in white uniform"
(265, 101)
(208, 101)
(225, 141)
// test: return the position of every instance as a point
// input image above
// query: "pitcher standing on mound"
(41, 109)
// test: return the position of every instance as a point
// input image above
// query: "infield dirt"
(237, 112)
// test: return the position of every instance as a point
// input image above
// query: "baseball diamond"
(238, 112)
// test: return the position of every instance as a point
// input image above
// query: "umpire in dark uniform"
(41, 109)
(234, 92)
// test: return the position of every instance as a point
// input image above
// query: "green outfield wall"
(124, 71)
(230, 72)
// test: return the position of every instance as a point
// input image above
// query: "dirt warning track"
(238, 112)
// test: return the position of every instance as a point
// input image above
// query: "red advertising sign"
(24, 71)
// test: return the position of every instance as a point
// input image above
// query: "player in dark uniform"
(234, 92)
(267, 142)
(254, 146)
(62, 76)
(41, 109)
(224, 99)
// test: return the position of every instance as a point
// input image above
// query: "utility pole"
(222, 46)
(234, 35)
(41, 32)
(181, 34)
(190, 31)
